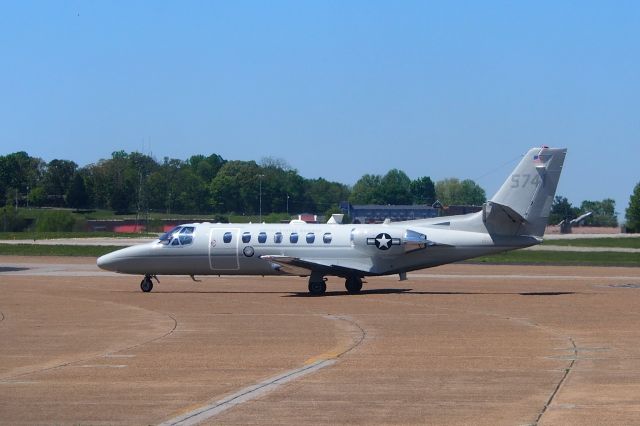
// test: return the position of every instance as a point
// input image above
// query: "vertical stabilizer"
(523, 203)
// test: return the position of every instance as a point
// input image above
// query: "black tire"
(146, 285)
(353, 285)
(317, 288)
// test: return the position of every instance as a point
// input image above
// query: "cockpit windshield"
(178, 236)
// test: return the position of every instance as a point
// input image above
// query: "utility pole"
(260, 177)
(287, 204)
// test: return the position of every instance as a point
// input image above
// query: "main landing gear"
(353, 284)
(318, 285)
(146, 284)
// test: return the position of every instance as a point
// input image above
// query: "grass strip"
(561, 258)
(57, 250)
(629, 242)
(58, 235)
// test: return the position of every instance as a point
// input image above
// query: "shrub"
(55, 221)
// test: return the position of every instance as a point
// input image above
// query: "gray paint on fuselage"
(513, 218)
(204, 258)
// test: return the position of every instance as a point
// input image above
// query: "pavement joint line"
(572, 358)
(244, 395)
(249, 393)
(567, 370)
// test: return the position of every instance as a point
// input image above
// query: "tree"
(452, 191)
(366, 190)
(37, 197)
(633, 211)
(561, 209)
(57, 179)
(604, 213)
(395, 188)
(76, 195)
(423, 191)
(236, 188)
(19, 172)
(325, 195)
(206, 167)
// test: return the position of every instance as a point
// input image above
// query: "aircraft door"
(223, 249)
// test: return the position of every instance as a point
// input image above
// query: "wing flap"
(304, 267)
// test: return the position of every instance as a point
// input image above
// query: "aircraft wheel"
(317, 288)
(146, 285)
(353, 284)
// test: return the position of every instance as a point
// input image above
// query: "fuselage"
(515, 217)
(232, 249)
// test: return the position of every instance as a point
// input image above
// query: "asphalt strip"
(247, 394)
(200, 414)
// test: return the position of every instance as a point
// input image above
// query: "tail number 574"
(521, 181)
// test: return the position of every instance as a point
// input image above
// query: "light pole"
(287, 204)
(260, 177)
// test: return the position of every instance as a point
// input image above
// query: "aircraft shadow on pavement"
(344, 293)
(12, 269)
(534, 293)
(407, 291)
(201, 292)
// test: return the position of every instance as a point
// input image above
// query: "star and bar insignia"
(383, 241)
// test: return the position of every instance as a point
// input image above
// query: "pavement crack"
(358, 341)
(560, 383)
(249, 393)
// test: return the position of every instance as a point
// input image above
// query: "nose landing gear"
(146, 284)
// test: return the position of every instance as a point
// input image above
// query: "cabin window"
(311, 237)
(227, 237)
(262, 237)
(327, 238)
(186, 235)
(168, 236)
(277, 237)
(185, 240)
(293, 238)
(246, 237)
(178, 236)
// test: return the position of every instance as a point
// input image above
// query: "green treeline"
(135, 182)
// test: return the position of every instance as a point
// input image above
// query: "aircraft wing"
(303, 267)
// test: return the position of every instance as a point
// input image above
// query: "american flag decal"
(539, 159)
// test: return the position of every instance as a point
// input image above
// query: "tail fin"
(523, 203)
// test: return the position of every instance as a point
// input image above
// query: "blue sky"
(337, 89)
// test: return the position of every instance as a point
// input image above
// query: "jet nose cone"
(107, 262)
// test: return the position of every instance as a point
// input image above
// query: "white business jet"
(515, 217)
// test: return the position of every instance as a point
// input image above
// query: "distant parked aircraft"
(513, 218)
